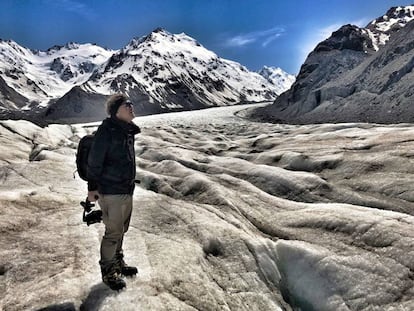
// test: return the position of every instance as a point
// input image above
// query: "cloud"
(263, 36)
(240, 41)
(270, 39)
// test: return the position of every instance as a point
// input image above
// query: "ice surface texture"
(230, 215)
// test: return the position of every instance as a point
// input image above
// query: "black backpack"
(85, 143)
(82, 154)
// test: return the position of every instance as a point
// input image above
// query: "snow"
(229, 213)
(153, 61)
(381, 28)
(390, 21)
(178, 56)
(34, 68)
(162, 41)
(278, 77)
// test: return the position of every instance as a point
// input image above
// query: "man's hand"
(93, 195)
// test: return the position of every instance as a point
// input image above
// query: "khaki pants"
(116, 215)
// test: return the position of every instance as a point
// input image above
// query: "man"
(111, 174)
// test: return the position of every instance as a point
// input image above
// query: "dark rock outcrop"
(343, 51)
(76, 104)
(345, 80)
(9, 98)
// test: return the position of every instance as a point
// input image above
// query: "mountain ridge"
(160, 71)
(333, 87)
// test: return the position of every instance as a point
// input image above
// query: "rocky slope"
(358, 74)
(160, 72)
(230, 215)
(40, 76)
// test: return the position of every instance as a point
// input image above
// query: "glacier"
(230, 214)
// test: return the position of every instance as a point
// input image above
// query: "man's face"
(126, 112)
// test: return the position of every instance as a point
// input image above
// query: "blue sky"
(253, 32)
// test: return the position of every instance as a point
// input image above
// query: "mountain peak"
(344, 78)
(162, 70)
(381, 28)
(395, 16)
(268, 69)
(399, 12)
(69, 46)
(161, 30)
(278, 77)
(348, 37)
(164, 42)
(72, 45)
(136, 41)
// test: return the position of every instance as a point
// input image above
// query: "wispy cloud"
(265, 37)
(270, 39)
(74, 6)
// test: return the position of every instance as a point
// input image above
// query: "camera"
(90, 216)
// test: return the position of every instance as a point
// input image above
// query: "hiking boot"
(113, 279)
(122, 268)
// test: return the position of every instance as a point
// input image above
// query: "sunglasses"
(128, 104)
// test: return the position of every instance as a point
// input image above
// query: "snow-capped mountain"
(160, 72)
(43, 75)
(355, 75)
(163, 64)
(275, 75)
(382, 27)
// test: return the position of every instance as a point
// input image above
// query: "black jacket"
(111, 161)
